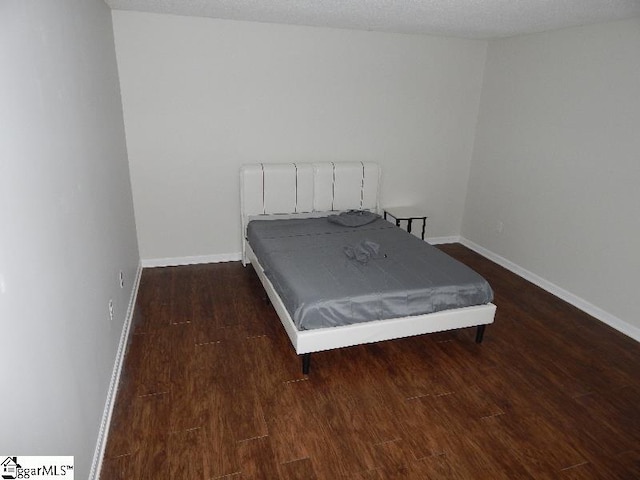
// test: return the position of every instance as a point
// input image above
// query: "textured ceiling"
(461, 18)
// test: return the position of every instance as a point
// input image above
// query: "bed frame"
(302, 190)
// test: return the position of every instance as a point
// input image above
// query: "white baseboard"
(193, 260)
(439, 240)
(578, 302)
(96, 464)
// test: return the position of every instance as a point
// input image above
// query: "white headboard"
(299, 188)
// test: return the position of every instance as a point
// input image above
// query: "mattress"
(325, 278)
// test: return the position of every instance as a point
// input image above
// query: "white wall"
(203, 96)
(66, 225)
(557, 161)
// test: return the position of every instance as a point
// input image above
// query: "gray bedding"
(329, 275)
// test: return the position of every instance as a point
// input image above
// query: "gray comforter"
(326, 278)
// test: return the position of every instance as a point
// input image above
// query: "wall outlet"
(121, 279)
(499, 227)
(111, 310)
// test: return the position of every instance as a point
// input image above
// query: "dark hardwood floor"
(211, 388)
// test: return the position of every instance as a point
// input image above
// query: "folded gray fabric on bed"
(321, 286)
(354, 218)
(363, 251)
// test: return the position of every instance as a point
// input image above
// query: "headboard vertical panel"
(304, 187)
(370, 186)
(280, 188)
(323, 186)
(347, 185)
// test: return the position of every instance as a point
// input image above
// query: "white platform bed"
(280, 191)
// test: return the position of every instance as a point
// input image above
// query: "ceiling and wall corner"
(461, 18)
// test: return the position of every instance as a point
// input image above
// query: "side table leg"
(424, 226)
(409, 225)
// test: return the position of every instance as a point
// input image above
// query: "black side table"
(408, 214)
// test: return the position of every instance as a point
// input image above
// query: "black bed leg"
(480, 333)
(306, 363)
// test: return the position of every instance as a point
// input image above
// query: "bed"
(335, 283)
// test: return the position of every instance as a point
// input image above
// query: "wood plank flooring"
(212, 389)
